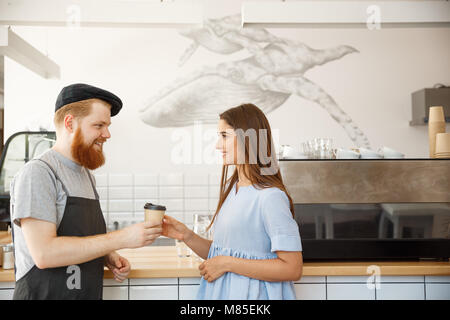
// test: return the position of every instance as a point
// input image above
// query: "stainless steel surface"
(367, 181)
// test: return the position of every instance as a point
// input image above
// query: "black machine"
(374, 231)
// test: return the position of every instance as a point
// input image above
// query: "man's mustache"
(99, 140)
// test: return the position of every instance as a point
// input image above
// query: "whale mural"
(274, 70)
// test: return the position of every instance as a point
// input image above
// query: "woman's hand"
(119, 266)
(214, 268)
(172, 228)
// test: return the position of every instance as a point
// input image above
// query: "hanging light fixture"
(101, 13)
(17, 49)
(346, 14)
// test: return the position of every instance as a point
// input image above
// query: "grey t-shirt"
(36, 193)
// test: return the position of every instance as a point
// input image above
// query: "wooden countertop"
(5, 237)
(163, 262)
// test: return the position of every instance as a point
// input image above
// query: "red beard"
(85, 154)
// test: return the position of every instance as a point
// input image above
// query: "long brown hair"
(247, 117)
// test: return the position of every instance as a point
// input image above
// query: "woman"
(256, 251)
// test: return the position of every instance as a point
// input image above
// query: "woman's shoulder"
(272, 193)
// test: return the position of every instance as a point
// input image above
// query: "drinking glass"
(201, 223)
(306, 149)
(323, 148)
(183, 250)
(312, 148)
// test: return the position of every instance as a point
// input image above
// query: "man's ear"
(69, 123)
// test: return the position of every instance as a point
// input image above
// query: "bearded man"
(60, 240)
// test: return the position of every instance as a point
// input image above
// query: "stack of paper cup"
(442, 145)
(436, 124)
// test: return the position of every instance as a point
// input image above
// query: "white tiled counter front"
(6, 290)
(366, 288)
(308, 288)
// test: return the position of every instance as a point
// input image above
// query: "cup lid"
(151, 206)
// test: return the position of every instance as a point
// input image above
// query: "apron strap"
(56, 176)
(93, 186)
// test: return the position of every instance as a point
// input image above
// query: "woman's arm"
(198, 244)
(288, 266)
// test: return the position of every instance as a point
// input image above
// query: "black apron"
(82, 217)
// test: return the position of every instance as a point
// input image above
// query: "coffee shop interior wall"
(372, 84)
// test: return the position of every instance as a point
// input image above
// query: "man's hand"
(140, 234)
(118, 265)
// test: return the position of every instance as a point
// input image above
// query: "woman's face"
(226, 143)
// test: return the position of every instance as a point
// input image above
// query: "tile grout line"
(424, 289)
(133, 195)
(157, 188)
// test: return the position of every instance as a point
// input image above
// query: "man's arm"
(50, 251)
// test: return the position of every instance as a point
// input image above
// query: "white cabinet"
(153, 281)
(189, 280)
(114, 290)
(401, 291)
(188, 292)
(115, 293)
(437, 291)
(154, 289)
(153, 293)
(112, 282)
(307, 288)
(349, 291)
(7, 285)
(311, 288)
(401, 288)
(350, 288)
(6, 294)
(310, 291)
(6, 290)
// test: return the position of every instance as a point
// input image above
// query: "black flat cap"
(80, 91)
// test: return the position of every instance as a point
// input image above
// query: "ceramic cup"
(288, 151)
(346, 154)
(390, 153)
(369, 154)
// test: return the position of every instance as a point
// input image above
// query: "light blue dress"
(252, 224)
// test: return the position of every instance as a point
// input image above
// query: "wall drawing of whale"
(272, 72)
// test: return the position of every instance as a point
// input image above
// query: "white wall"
(373, 86)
